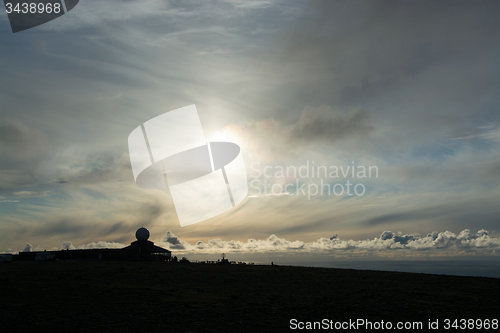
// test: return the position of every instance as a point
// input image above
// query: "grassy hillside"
(167, 297)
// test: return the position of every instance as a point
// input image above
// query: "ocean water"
(484, 268)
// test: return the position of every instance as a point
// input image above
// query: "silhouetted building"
(224, 260)
(141, 249)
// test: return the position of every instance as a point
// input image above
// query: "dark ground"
(167, 297)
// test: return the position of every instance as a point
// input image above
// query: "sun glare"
(224, 137)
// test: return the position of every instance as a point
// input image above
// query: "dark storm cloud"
(424, 71)
(22, 149)
(172, 241)
(416, 214)
(86, 221)
(116, 227)
(78, 168)
(151, 211)
(326, 125)
(11, 179)
(458, 212)
(21, 144)
(346, 52)
(402, 239)
(315, 127)
(62, 226)
(421, 213)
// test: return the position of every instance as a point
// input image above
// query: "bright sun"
(224, 136)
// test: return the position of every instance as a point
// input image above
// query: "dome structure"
(144, 247)
(142, 234)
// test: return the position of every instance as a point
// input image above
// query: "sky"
(408, 88)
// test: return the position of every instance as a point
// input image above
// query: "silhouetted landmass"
(180, 297)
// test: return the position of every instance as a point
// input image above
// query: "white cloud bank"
(435, 243)
(466, 241)
(93, 245)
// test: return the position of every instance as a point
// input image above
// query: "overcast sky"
(411, 87)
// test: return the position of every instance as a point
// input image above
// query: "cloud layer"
(438, 242)
(411, 87)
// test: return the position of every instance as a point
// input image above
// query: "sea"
(467, 267)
